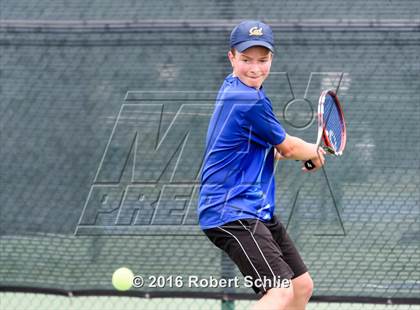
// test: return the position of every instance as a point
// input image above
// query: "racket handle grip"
(309, 165)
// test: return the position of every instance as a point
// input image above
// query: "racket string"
(332, 125)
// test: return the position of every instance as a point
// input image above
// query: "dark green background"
(61, 93)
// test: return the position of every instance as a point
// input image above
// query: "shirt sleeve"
(262, 125)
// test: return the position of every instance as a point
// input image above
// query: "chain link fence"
(104, 110)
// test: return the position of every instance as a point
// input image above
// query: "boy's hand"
(318, 161)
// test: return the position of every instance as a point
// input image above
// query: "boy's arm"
(296, 148)
(277, 155)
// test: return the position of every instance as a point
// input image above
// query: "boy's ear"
(231, 56)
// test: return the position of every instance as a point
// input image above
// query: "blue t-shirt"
(237, 180)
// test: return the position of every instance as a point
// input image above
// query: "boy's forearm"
(299, 149)
(277, 155)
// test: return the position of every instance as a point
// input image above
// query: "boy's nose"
(255, 68)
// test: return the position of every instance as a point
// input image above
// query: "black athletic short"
(261, 250)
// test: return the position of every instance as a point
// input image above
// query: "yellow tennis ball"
(122, 279)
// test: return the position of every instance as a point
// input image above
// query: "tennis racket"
(331, 126)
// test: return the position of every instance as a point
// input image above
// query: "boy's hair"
(233, 51)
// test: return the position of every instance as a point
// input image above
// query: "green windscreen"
(103, 131)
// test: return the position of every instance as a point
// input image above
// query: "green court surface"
(15, 301)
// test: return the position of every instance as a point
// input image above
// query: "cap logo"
(255, 31)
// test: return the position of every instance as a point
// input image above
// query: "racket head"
(320, 118)
(333, 124)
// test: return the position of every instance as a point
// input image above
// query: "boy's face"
(252, 66)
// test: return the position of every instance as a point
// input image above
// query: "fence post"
(228, 272)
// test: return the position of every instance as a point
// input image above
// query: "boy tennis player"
(237, 198)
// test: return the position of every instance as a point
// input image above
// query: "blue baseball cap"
(251, 33)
